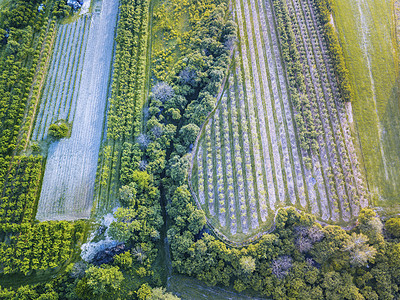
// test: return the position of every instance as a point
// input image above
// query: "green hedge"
(324, 8)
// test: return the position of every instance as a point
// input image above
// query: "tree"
(281, 266)
(189, 134)
(360, 252)
(370, 225)
(143, 140)
(162, 91)
(126, 226)
(123, 260)
(247, 264)
(59, 131)
(144, 292)
(100, 283)
(161, 294)
(197, 220)
(393, 227)
(127, 194)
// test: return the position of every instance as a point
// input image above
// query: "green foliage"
(139, 222)
(370, 225)
(123, 260)
(161, 294)
(144, 292)
(248, 264)
(392, 226)
(19, 187)
(360, 251)
(59, 131)
(127, 195)
(342, 74)
(40, 246)
(18, 66)
(189, 133)
(100, 283)
(128, 85)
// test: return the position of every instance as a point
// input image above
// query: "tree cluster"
(58, 130)
(324, 8)
(20, 183)
(297, 87)
(39, 246)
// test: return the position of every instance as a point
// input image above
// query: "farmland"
(262, 148)
(20, 188)
(124, 118)
(204, 146)
(372, 60)
(64, 77)
(76, 91)
(26, 247)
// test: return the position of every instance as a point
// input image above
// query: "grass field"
(366, 30)
(69, 177)
(248, 161)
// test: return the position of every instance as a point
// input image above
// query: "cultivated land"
(249, 161)
(82, 75)
(367, 34)
(64, 77)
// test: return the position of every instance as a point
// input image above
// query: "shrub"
(393, 227)
(162, 91)
(281, 266)
(58, 131)
(143, 140)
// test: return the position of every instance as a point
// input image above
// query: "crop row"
(128, 86)
(20, 183)
(18, 70)
(260, 163)
(69, 177)
(46, 39)
(126, 101)
(38, 247)
(288, 140)
(334, 154)
(64, 77)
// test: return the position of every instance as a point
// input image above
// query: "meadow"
(371, 52)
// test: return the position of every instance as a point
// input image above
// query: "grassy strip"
(325, 11)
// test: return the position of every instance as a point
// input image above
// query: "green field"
(367, 35)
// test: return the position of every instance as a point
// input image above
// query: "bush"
(35, 147)
(281, 266)
(393, 227)
(59, 131)
(162, 91)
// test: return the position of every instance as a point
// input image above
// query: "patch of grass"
(372, 59)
